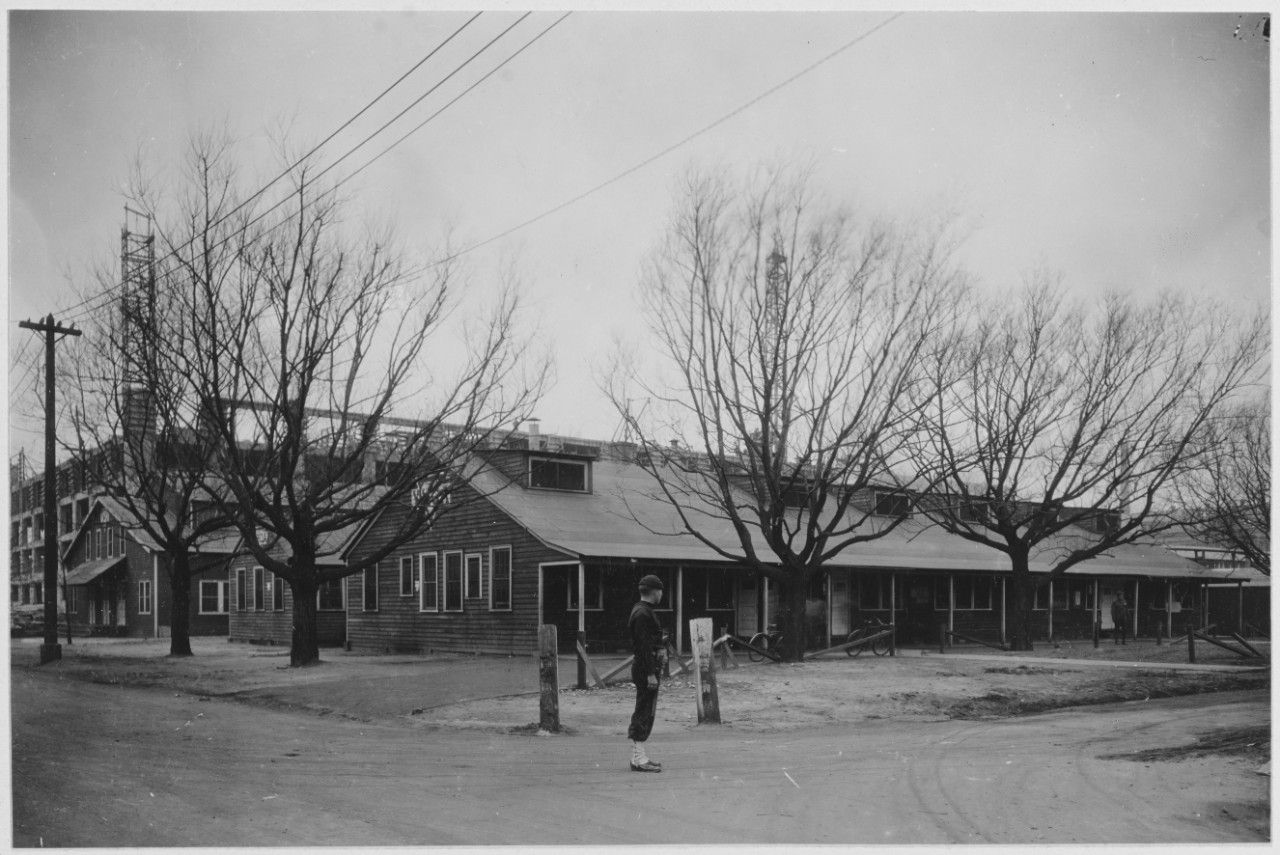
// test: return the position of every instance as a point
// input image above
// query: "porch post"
(1168, 608)
(1050, 610)
(1097, 606)
(582, 624)
(1137, 590)
(1240, 606)
(1004, 608)
(155, 597)
(764, 605)
(951, 601)
(893, 610)
(680, 609)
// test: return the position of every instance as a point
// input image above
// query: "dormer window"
(890, 504)
(550, 474)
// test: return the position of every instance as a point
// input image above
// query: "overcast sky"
(1125, 150)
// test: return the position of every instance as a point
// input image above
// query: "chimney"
(532, 426)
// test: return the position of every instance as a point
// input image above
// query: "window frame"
(365, 588)
(144, 597)
(410, 581)
(445, 594)
(429, 582)
(221, 596)
(493, 585)
(277, 593)
(341, 586)
(572, 588)
(467, 592)
(558, 461)
(242, 593)
(259, 589)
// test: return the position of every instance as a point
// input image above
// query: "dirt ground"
(296, 760)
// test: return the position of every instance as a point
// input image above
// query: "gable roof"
(625, 517)
(221, 542)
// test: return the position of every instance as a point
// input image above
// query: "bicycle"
(764, 641)
(872, 626)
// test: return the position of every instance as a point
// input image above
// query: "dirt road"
(104, 766)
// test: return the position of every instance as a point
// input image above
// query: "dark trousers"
(1121, 632)
(646, 709)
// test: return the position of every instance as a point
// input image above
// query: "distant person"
(646, 668)
(1120, 617)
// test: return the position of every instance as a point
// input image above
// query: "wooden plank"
(591, 669)
(609, 675)
(1247, 645)
(1209, 638)
(954, 634)
(857, 642)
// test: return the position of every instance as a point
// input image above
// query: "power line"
(418, 127)
(684, 141)
(314, 148)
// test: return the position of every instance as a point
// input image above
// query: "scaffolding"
(138, 291)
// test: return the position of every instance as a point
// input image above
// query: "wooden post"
(942, 637)
(893, 612)
(582, 625)
(1191, 643)
(1097, 632)
(548, 679)
(582, 659)
(701, 639)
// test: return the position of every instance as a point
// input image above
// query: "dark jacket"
(646, 640)
(1119, 612)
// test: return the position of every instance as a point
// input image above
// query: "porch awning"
(90, 570)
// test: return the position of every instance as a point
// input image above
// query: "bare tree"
(1059, 429)
(1226, 500)
(796, 340)
(319, 364)
(132, 402)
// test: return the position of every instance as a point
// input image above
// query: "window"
(890, 504)
(475, 576)
(119, 533)
(719, 590)
(213, 597)
(144, 597)
(370, 589)
(73, 598)
(258, 600)
(558, 474)
(593, 578)
(973, 593)
(429, 601)
(277, 593)
(500, 578)
(330, 596)
(1042, 598)
(453, 581)
(408, 575)
(668, 577)
(873, 593)
(1059, 594)
(38, 592)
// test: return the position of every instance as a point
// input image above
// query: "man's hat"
(653, 583)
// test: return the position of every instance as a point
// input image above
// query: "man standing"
(1120, 617)
(649, 652)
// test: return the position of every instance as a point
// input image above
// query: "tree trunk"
(180, 611)
(791, 618)
(305, 648)
(1022, 596)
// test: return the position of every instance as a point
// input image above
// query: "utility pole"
(50, 650)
